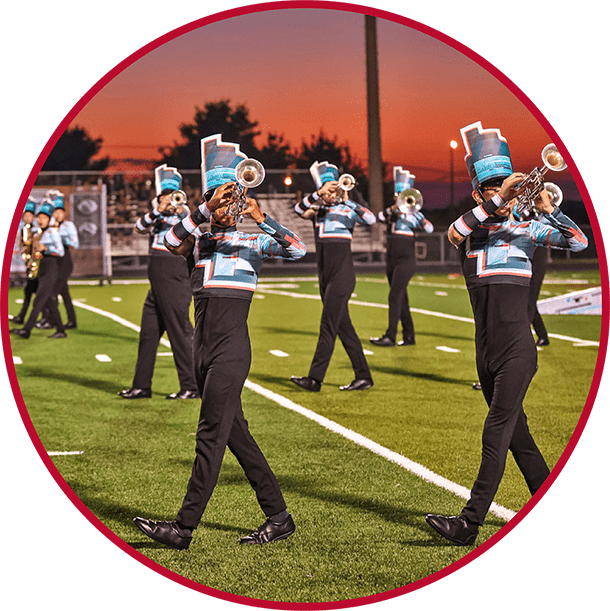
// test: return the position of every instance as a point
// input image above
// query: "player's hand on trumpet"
(544, 202)
(222, 197)
(253, 211)
(508, 190)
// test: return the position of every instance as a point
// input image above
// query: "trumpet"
(410, 201)
(249, 173)
(534, 184)
(346, 183)
(177, 198)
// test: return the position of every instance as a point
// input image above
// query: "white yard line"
(411, 466)
(384, 306)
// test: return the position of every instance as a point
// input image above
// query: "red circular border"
(285, 5)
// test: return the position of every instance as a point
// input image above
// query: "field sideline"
(136, 458)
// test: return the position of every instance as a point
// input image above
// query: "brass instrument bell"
(177, 198)
(249, 174)
(555, 191)
(533, 184)
(410, 201)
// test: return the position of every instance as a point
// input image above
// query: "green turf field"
(360, 518)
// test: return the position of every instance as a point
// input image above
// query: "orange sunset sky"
(300, 71)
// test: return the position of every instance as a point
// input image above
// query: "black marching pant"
(222, 361)
(64, 271)
(539, 267)
(506, 363)
(337, 282)
(31, 286)
(166, 308)
(400, 268)
(46, 297)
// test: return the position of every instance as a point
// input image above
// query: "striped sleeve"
(469, 221)
(182, 230)
(144, 222)
(558, 231)
(306, 203)
(364, 215)
(283, 243)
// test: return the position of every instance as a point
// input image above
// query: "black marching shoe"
(307, 383)
(270, 531)
(43, 323)
(71, 325)
(24, 333)
(453, 528)
(136, 393)
(184, 394)
(168, 533)
(358, 384)
(58, 335)
(477, 386)
(407, 341)
(18, 320)
(382, 341)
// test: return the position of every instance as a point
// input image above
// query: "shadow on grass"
(431, 377)
(64, 376)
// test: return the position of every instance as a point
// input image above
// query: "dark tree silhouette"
(323, 148)
(74, 151)
(215, 118)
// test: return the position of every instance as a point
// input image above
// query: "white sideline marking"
(447, 349)
(367, 352)
(441, 293)
(165, 354)
(64, 453)
(103, 358)
(117, 299)
(384, 306)
(415, 468)
(17, 360)
(278, 353)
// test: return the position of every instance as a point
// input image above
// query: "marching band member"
(27, 228)
(166, 307)
(224, 267)
(496, 254)
(47, 249)
(335, 216)
(400, 260)
(69, 237)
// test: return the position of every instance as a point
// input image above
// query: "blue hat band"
(59, 203)
(171, 183)
(218, 176)
(490, 168)
(328, 175)
(46, 209)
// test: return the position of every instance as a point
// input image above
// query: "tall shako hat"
(403, 179)
(46, 208)
(167, 179)
(218, 161)
(487, 155)
(31, 205)
(322, 171)
(56, 198)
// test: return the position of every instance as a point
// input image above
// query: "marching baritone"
(225, 264)
(47, 249)
(496, 254)
(335, 216)
(166, 307)
(402, 219)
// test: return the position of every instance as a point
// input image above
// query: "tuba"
(249, 174)
(534, 184)
(410, 201)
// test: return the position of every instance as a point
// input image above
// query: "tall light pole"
(374, 124)
(453, 144)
